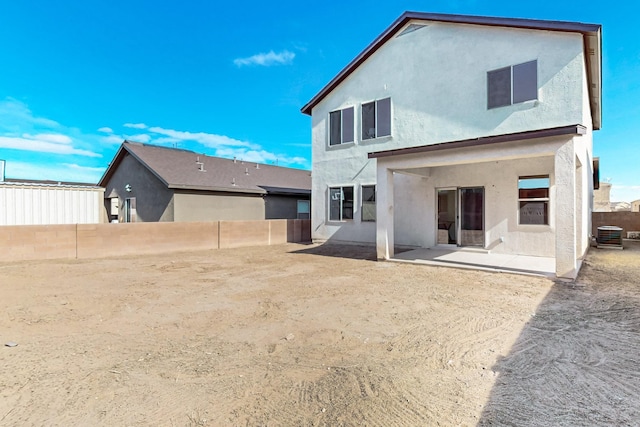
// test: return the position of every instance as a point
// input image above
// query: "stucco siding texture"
(436, 78)
(200, 206)
(282, 207)
(153, 198)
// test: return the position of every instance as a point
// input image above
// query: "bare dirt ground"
(316, 336)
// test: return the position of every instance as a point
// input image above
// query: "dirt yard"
(301, 335)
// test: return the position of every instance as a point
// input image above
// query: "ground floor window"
(368, 202)
(340, 203)
(303, 209)
(533, 199)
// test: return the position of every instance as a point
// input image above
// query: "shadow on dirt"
(361, 252)
(349, 251)
(576, 361)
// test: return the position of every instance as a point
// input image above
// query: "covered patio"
(479, 259)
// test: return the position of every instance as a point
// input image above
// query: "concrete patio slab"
(479, 259)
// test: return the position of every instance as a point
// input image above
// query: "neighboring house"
(620, 207)
(462, 130)
(602, 198)
(635, 206)
(37, 202)
(147, 183)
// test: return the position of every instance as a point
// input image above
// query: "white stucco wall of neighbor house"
(436, 78)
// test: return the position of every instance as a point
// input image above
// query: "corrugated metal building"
(27, 202)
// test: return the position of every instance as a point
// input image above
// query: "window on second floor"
(341, 126)
(376, 119)
(512, 85)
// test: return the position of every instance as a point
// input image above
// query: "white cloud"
(135, 125)
(260, 156)
(267, 59)
(206, 139)
(105, 130)
(42, 146)
(49, 137)
(112, 139)
(58, 172)
(143, 137)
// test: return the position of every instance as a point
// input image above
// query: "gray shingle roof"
(181, 169)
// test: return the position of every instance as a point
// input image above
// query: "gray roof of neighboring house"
(591, 34)
(181, 169)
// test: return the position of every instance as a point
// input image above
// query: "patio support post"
(565, 211)
(384, 213)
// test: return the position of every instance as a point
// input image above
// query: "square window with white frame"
(533, 200)
(512, 85)
(340, 203)
(341, 126)
(376, 119)
(368, 202)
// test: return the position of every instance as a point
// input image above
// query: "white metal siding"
(29, 205)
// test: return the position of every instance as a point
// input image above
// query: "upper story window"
(376, 119)
(533, 198)
(513, 84)
(341, 126)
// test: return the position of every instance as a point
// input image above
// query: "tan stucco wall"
(189, 207)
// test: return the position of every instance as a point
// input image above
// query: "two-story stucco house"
(465, 131)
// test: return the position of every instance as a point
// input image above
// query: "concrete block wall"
(30, 242)
(103, 240)
(25, 242)
(628, 221)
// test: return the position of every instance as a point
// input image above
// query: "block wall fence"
(628, 221)
(83, 241)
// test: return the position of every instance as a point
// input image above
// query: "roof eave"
(218, 189)
(485, 140)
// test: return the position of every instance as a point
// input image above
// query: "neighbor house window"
(129, 211)
(340, 203)
(533, 198)
(303, 209)
(376, 119)
(511, 85)
(341, 126)
(368, 202)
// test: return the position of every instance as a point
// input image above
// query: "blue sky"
(229, 78)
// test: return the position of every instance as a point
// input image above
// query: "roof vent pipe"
(257, 166)
(234, 159)
(246, 171)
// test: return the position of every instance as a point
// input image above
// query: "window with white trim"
(533, 200)
(368, 202)
(341, 126)
(512, 85)
(376, 119)
(340, 203)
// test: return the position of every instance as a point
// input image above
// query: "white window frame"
(375, 196)
(512, 85)
(353, 201)
(353, 132)
(546, 200)
(375, 119)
